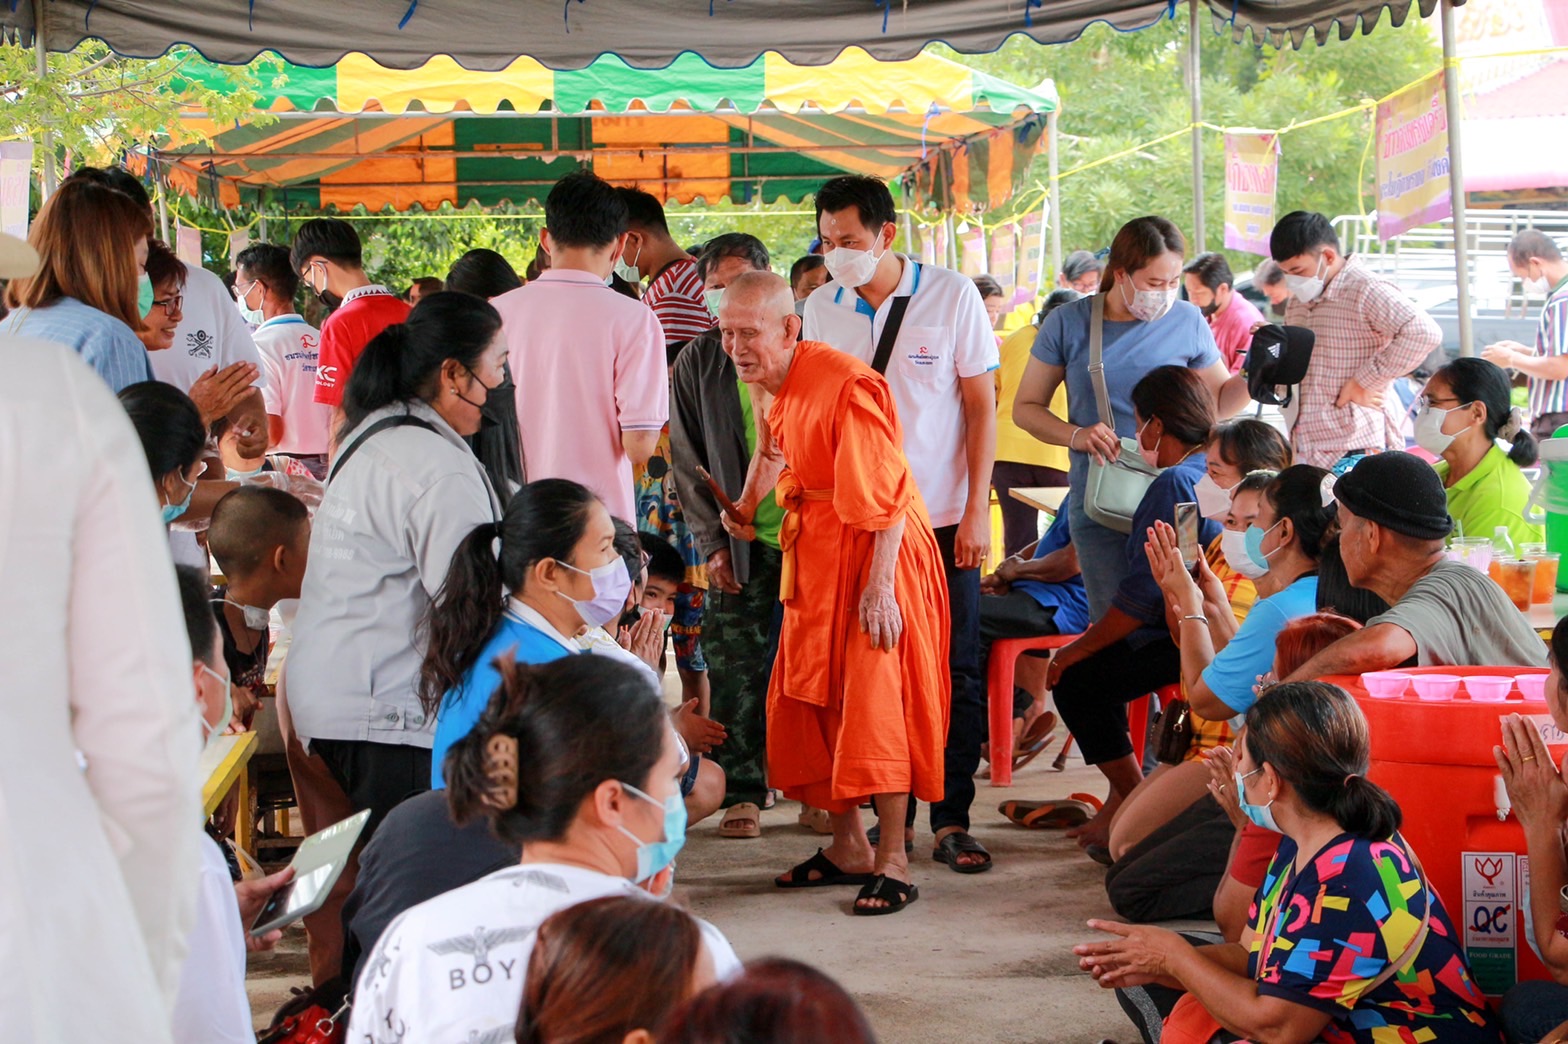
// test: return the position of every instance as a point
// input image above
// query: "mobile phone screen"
(1187, 533)
(317, 864)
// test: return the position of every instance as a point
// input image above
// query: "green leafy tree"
(1119, 90)
(99, 105)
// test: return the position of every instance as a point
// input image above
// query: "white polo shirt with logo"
(945, 337)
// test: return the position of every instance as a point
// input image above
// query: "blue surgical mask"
(653, 856)
(174, 511)
(144, 294)
(1260, 815)
(1255, 546)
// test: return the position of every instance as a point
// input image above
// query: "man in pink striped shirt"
(674, 291)
(675, 295)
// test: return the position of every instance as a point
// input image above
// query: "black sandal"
(959, 843)
(828, 871)
(890, 890)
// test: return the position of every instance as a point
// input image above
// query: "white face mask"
(1306, 288)
(1213, 498)
(1148, 305)
(214, 731)
(1537, 287)
(852, 269)
(711, 299)
(256, 618)
(252, 316)
(1429, 430)
(1233, 545)
(628, 270)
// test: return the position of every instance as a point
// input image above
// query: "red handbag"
(310, 1018)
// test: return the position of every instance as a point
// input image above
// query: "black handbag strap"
(895, 319)
(402, 420)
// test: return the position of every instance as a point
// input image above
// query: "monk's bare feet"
(895, 867)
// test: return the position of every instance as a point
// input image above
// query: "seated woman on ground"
(1219, 684)
(175, 441)
(1301, 766)
(1128, 652)
(557, 574)
(574, 763)
(1253, 846)
(1462, 414)
(612, 970)
(1535, 1011)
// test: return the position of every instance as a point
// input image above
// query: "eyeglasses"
(171, 303)
(1426, 402)
(240, 293)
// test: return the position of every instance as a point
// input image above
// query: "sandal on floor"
(743, 819)
(1062, 814)
(874, 835)
(1099, 853)
(895, 893)
(815, 819)
(828, 875)
(1034, 740)
(770, 799)
(960, 843)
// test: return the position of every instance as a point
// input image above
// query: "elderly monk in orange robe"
(859, 701)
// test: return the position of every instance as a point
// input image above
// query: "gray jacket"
(708, 429)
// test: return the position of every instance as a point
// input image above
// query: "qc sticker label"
(1491, 914)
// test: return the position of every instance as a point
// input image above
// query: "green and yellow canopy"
(361, 134)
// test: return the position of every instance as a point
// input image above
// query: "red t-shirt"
(1250, 864)
(675, 295)
(364, 313)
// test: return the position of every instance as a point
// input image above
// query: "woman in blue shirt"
(1145, 327)
(1128, 651)
(557, 559)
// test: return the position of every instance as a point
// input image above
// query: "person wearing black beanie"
(1393, 519)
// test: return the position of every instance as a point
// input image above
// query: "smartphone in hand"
(1187, 533)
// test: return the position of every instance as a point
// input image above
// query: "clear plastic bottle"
(1502, 543)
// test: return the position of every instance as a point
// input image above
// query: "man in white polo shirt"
(926, 330)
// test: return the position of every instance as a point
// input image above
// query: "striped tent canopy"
(358, 133)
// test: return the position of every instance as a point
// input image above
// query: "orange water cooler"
(1436, 759)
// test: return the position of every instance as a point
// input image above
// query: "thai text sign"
(1412, 159)
(16, 164)
(1251, 175)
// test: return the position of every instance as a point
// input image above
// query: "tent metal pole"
(41, 49)
(1054, 158)
(909, 234)
(1195, 86)
(952, 242)
(1456, 179)
(1049, 210)
(163, 217)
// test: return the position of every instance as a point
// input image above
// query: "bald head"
(759, 326)
(761, 290)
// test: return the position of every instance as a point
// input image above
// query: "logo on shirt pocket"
(924, 361)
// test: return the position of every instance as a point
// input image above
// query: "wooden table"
(1041, 498)
(223, 767)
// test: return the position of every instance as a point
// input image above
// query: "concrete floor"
(983, 957)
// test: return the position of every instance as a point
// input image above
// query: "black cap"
(1398, 490)
(1278, 357)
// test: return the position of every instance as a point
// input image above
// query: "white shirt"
(212, 1007)
(597, 640)
(452, 968)
(945, 336)
(289, 347)
(211, 333)
(97, 868)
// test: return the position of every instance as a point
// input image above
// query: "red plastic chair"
(999, 688)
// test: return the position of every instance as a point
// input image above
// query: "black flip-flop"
(959, 843)
(890, 890)
(830, 875)
(874, 835)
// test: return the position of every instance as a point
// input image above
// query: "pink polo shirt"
(1232, 329)
(588, 364)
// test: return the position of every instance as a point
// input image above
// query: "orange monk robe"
(846, 720)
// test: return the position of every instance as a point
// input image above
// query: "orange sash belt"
(790, 499)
